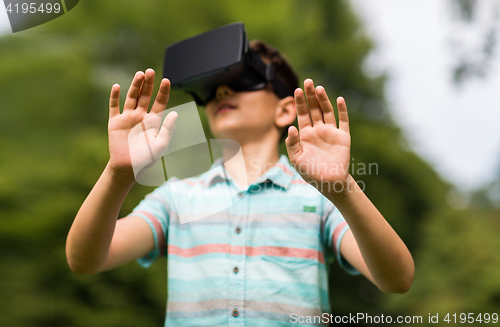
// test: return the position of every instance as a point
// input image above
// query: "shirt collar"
(215, 174)
(280, 174)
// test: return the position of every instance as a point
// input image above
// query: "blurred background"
(421, 82)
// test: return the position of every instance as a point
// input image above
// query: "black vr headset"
(199, 64)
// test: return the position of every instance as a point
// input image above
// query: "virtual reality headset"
(198, 65)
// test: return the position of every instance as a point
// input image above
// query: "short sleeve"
(334, 230)
(154, 209)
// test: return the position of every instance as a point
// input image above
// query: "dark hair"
(282, 68)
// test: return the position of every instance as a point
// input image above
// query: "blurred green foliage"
(54, 87)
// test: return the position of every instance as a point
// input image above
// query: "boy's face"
(247, 116)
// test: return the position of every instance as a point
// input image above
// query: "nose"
(223, 91)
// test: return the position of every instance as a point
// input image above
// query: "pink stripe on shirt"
(285, 169)
(247, 250)
(336, 234)
(159, 230)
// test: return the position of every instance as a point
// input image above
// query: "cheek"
(209, 109)
(265, 113)
(261, 106)
(209, 112)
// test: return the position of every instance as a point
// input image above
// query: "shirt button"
(240, 195)
(235, 313)
(235, 270)
(238, 230)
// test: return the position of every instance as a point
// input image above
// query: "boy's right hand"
(148, 147)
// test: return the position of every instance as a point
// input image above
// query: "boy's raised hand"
(154, 140)
(321, 152)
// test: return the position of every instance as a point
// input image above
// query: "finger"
(343, 116)
(293, 142)
(146, 90)
(303, 117)
(326, 106)
(134, 91)
(314, 108)
(162, 97)
(114, 101)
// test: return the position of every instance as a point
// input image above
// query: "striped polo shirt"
(258, 262)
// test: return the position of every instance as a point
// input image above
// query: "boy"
(262, 261)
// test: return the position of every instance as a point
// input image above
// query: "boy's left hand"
(321, 152)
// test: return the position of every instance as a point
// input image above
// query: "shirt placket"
(238, 256)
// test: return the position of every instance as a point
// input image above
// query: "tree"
(55, 85)
(474, 37)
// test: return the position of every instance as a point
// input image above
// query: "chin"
(225, 134)
(225, 128)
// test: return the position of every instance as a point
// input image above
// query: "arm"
(371, 246)
(97, 241)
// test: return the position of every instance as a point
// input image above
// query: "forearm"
(92, 230)
(386, 256)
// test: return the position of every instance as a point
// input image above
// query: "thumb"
(162, 140)
(293, 142)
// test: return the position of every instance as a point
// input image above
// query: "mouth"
(225, 107)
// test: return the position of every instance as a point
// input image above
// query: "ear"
(286, 113)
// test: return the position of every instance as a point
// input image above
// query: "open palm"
(321, 151)
(137, 138)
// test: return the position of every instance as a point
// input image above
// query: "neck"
(256, 156)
